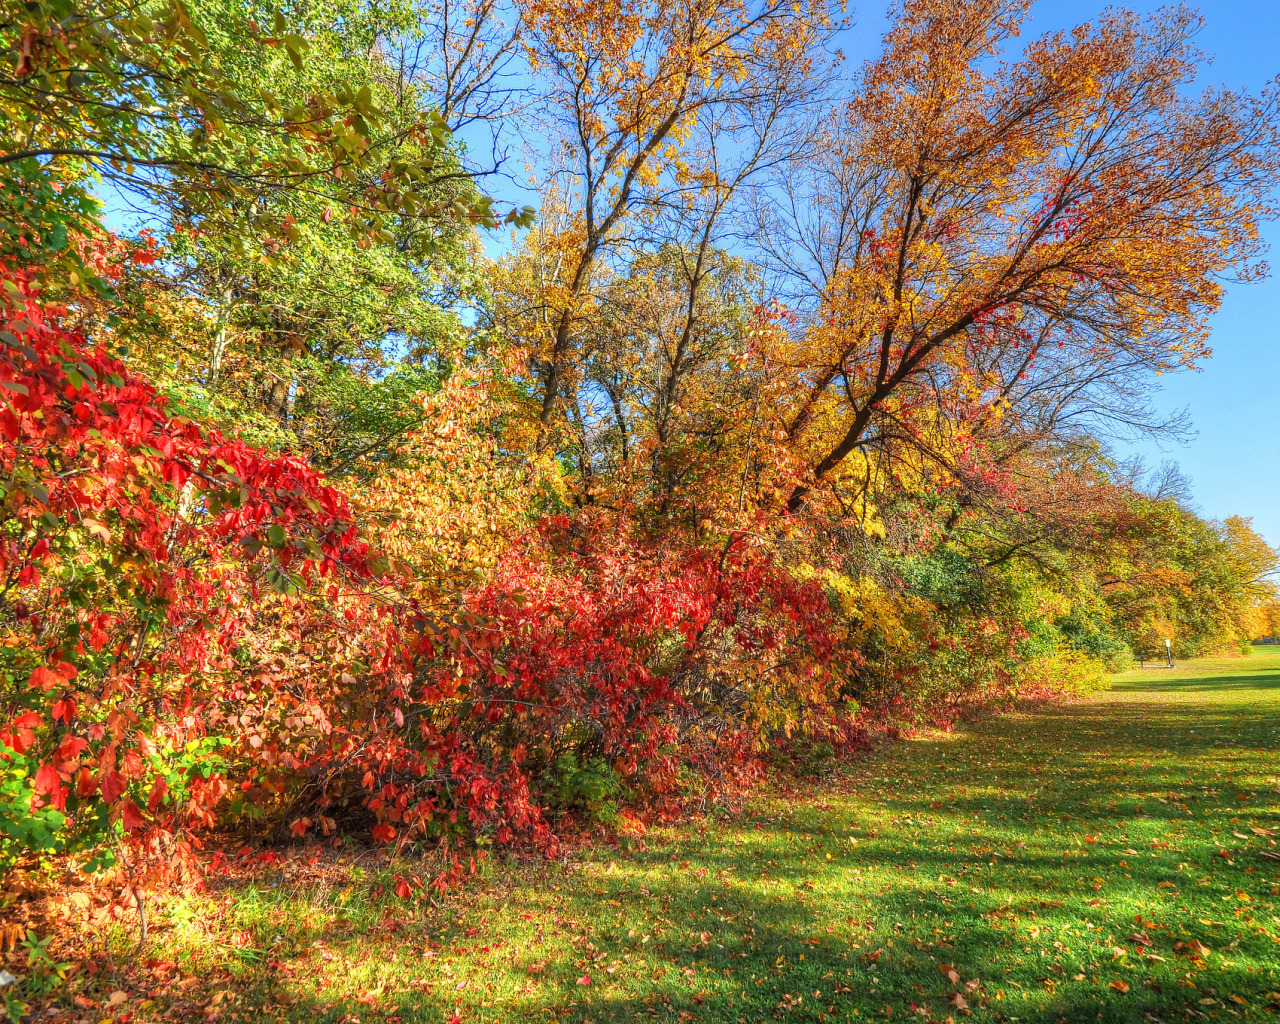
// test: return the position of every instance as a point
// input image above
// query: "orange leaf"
(44, 678)
(159, 789)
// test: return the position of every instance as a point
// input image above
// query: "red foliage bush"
(195, 631)
(589, 642)
(135, 550)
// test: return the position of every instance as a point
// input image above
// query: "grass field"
(1102, 860)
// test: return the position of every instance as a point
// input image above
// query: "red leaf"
(132, 763)
(131, 817)
(20, 733)
(112, 784)
(47, 783)
(44, 678)
(159, 790)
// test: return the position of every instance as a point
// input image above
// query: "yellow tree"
(1251, 566)
(978, 234)
(630, 89)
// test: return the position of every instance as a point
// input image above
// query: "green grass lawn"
(1101, 860)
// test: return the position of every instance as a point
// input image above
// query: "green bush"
(589, 786)
(1094, 639)
(1042, 641)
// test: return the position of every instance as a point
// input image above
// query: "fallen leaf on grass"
(949, 973)
(1119, 986)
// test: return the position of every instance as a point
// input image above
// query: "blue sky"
(1234, 400)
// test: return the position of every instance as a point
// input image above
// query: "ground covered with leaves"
(1108, 859)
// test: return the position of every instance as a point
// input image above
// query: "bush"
(1066, 672)
(1093, 639)
(1042, 641)
(146, 560)
(590, 786)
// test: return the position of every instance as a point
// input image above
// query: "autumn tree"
(153, 103)
(466, 55)
(630, 95)
(663, 362)
(980, 236)
(316, 340)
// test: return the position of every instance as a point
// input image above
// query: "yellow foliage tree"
(975, 231)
